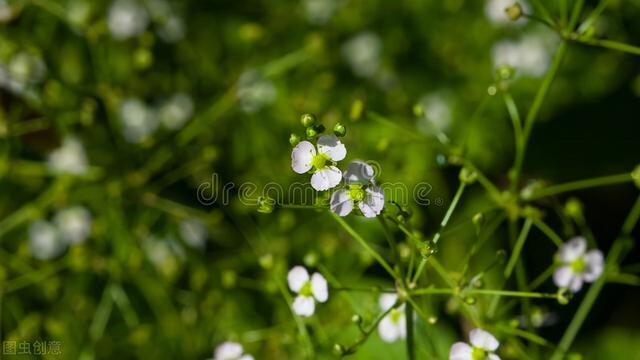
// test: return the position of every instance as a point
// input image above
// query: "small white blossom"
(496, 11)
(438, 115)
(319, 12)
(577, 265)
(304, 157)
(309, 290)
(362, 52)
(176, 111)
(138, 120)
(483, 345)
(393, 326)
(69, 158)
(194, 233)
(230, 350)
(254, 91)
(22, 71)
(6, 11)
(74, 224)
(361, 191)
(44, 240)
(127, 18)
(529, 56)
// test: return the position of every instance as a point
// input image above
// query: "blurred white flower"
(496, 11)
(194, 232)
(361, 191)
(22, 70)
(254, 91)
(6, 11)
(309, 290)
(138, 120)
(230, 351)
(69, 158)
(483, 345)
(529, 56)
(438, 115)
(127, 18)
(577, 265)
(304, 157)
(393, 326)
(79, 12)
(319, 12)
(74, 224)
(44, 240)
(176, 111)
(172, 29)
(362, 52)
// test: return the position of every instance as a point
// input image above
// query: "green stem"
(578, 185)
(552, 235)
(593, 16)
(517, 249)
(444, 223)
(491, 292)
(366, 246)
(411, 351)
(515, 119)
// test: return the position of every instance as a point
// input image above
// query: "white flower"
(69, 158)
(176, 111)
(6, 11)
(304, 157)
(360, 191)
(496, 11)
(138, 120)
(309, 290)
(254, 91)
(483, 345)
(127, 18)
(172, 29)
(230, 351)
(394, 325)
(577, 265)
(438, 115)
(44, 240)
(194, 233)
(74, 224)
(362, 52)
(528, 56)
(319, 12)
(22, 71)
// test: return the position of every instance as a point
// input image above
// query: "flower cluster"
(129, 18)
(576, 265)
(139, 120)
(359, 190)
(70, 226)
(309, 290)
(230, 350)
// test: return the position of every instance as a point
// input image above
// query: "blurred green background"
(148, 99)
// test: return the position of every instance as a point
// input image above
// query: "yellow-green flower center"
(306, 289)
(395, 315)
(319, 161)
(356, 193)
(578, 265)
(479, 354)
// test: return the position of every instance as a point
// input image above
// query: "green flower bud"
(266, 261)
(514, 12)
(308, 120)
(338, 349)
(311, 133)
(505, 72)
(265, 205)
(573, 208)
(470, 300)
(432, 320)
(294, 139)
(356, 110)
(229, 279)
(418, 110)
(468, 176)
(478, 220)
(142, 58)
(563, 296)
(356, 319)
(310, 259)
(339, 130)
(492, 90)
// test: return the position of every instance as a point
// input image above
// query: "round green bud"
(470, 300)
(294, 139)
(356, 319)
(229, 278)
(265, 205)
(478, 220)
(468, 176)
(311, 133)
(339, 130)
(356, 110)
(338, 349)
(418, 110)
(308, 120)
(563, 296)
(310, 259)
(514, 12)
(142, 58)
(505, 72)
(492, 90)
(266, 261)
(432, 320)
(573, 207)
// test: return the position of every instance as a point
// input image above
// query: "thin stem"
(546, 15)
(575, 14)
(578, 185)
(444, 223)
(393, 245)
(593, 16)
(366, 246)
(411, 351)
(367, 332)
(525, 335)
(541, 278)
(517, 249)
(490, 292)
(515, 119)
(632, 219)
(552, 235)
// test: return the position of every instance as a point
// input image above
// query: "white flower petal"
(373, 202)
(388, 330)
(562, 276)
(319, 287)
(228, 350)
(304, 305)
(576, 284)
(358, 172)
(249, 357)
(572, 249)
(331, 146)
(341, 202)
(74, 224)
(494, 357)
(301, 157)
(594, 262)
(386, 301)
(297, 277)
(460, 351)
(326, 179)
(483, 340)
